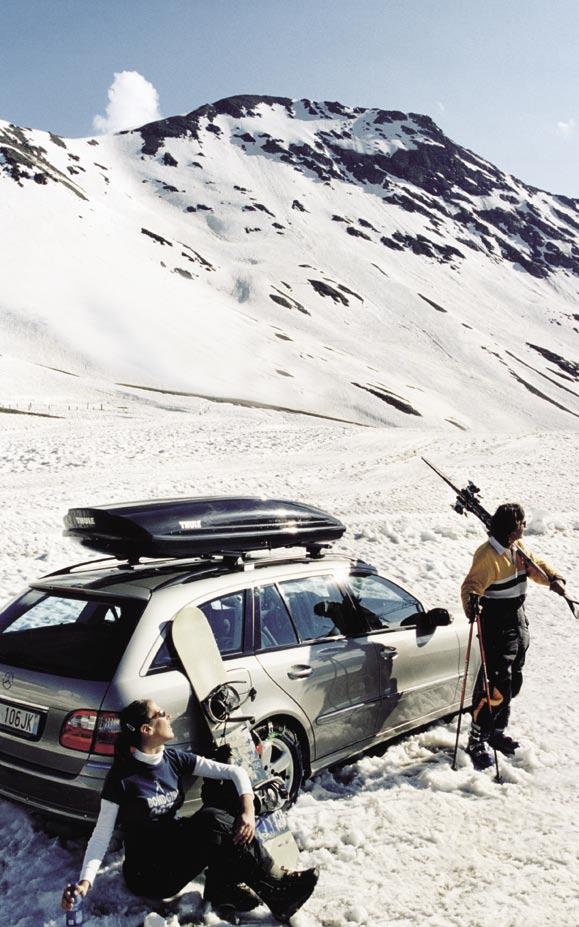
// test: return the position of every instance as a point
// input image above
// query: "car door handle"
(389, 653)
(299, 671)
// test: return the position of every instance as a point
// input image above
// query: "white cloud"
(440, 106)
(566, 128)
(133, 101)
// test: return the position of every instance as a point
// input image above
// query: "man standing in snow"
(498, 576)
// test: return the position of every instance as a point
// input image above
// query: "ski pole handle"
(474, 607)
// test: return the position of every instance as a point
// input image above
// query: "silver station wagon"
(334, 657)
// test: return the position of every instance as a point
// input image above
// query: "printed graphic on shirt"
(162, 801)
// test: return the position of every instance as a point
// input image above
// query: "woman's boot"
(284, 892)
(227, 897)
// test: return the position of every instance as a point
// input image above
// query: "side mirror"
(438, 617)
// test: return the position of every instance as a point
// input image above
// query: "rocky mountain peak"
(406, 160)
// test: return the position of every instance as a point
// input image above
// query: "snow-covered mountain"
(346, 262)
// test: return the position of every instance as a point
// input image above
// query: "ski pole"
(463, 692)
(476, 607)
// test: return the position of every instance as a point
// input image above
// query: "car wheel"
(281, 755)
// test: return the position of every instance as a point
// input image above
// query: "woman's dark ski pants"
(162, 857)
(505, 632)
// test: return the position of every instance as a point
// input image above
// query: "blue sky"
(499, 76)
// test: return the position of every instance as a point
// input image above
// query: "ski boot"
(479, 753)
(503, 743)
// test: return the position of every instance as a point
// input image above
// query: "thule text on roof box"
(199, 527)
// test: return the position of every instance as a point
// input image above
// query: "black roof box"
(199, 527)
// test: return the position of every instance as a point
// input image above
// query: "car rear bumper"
(77, 798)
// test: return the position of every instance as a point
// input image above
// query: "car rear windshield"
(80, 638)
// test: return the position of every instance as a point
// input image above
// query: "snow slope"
(402, 840)
(348, 262)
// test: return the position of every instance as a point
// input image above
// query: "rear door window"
(383, 604)
(81, 638)
(275, 628)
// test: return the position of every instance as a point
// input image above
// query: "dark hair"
(506, 519)
(131, 719)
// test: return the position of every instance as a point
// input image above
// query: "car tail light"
(90, 731)
(108, 729)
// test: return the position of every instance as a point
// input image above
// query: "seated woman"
(143, 792)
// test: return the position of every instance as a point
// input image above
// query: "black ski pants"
(164, 856)
(505, 634)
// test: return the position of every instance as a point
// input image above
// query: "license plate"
(19, 720)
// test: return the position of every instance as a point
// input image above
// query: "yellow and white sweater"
(499, 573)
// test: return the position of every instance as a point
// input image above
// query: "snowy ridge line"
(246, 403)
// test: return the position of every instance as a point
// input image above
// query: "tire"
(282, 755)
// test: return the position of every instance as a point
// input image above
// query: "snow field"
(401, 839)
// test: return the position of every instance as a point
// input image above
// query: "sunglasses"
(159, 714)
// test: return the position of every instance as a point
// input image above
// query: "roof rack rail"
(201, 527)
(77, 566)
(237, 563)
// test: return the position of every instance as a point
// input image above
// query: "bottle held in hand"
(75, 917)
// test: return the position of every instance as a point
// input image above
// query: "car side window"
(275, 625)
(317, 606)
(383, 604)
(226, 616)
(166, 657)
